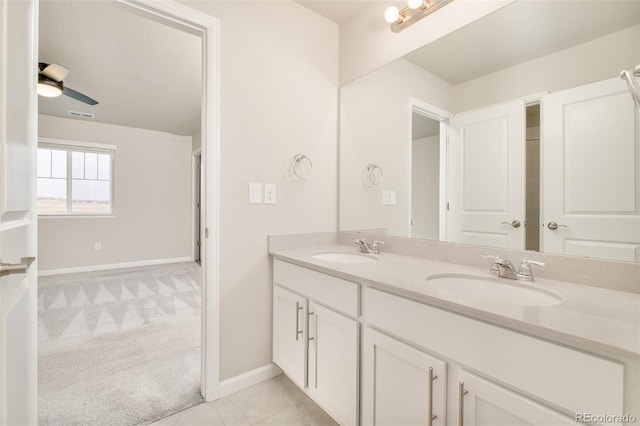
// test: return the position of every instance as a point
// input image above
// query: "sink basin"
(342, 257)
(471, 288)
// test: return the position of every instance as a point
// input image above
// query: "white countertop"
(589, 318)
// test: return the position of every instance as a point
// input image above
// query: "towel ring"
(302, 164)
(374, 174)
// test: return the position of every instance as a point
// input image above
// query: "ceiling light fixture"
(415, 10)
(48, 87)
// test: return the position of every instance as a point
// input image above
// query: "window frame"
(86, 147)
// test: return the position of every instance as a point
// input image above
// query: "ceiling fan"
(50, 83)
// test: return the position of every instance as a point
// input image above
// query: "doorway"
(428, 178)
(205, 27)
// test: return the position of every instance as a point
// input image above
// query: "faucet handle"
(375, 246)
(494, 265)
(525, 267)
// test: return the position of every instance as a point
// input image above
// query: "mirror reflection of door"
(425, 177)
(487, 176)
(591, 179)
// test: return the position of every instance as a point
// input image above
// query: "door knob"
(553, 226)
(16, 268)
(515, 223)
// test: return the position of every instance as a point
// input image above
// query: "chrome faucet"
(504, 268)
(366, 247)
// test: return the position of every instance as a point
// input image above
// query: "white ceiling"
(142, 73)
(335, 10)
(519, 32)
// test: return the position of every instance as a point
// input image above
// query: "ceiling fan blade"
(79, 96)
(55, 72)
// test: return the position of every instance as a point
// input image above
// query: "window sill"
(77, 216)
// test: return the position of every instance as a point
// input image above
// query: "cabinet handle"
(298, 309)
(461, 393)
(315, 349)
(431, 417)
(309, 322)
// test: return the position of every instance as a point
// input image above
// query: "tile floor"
(276, 402)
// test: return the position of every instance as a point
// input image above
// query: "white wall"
(367, 42)
(375, 127)
(152, 200)
(597, 60)
(279, 97)
(425, 188)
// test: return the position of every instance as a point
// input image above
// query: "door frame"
(427, 110)
(196, 197)
(207, 28)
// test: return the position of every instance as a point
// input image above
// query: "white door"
(18, 289)
(401, 386)
(486, 185)
(487, 404)
(591, 184)
(333, 363)
(290, 334)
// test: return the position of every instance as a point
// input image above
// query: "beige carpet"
(119, 347)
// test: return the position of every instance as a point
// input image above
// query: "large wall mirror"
(514, 131)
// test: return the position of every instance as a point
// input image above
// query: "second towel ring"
(374, 174)
(302, 164)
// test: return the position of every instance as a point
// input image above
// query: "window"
(75, 179)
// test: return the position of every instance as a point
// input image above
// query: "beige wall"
(279, 97)
(375, 127)
(152, 200)
(425, 188)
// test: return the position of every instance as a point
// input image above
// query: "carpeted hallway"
(119, 347)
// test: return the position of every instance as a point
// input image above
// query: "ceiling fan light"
(49, 88)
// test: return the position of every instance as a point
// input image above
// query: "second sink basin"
(342, 257)
(471, 288)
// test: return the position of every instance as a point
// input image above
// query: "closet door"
(487, 176)
(591, 197)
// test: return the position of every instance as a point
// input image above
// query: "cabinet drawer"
(567, 378)
(338, 294)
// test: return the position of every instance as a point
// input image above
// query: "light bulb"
(415, 4)
(392, 14)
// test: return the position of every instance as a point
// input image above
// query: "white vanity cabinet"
(495, 376)
(484, 403)
(290, 334)
(316, 337)
(401, 385)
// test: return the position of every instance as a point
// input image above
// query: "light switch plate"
(269, 193)
(392, 198)
(255, 193)
(385, 198)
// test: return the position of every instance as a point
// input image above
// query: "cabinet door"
(401, 385)
(290, 335)
(333, 363)
(487, 404)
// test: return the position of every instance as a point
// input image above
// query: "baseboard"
(248, 379)
(48, 272)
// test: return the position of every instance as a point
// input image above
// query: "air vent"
(80, 114)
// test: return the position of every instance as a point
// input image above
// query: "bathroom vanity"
(388, 339)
